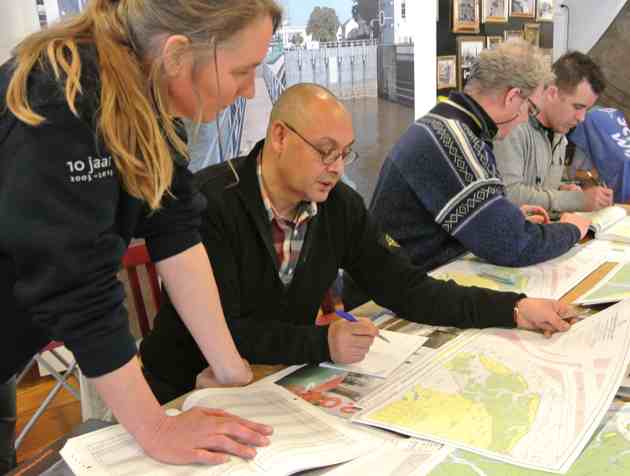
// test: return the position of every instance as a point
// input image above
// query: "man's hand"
(202, 435)
(207, 379)
(596, 198)
(348, 342)
(577, 220)
(535, 214)
(570, 187)
(542, 314)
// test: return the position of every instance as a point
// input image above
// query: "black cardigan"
(271, 324)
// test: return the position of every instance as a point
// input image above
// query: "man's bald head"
(309, 136)
(304, 104)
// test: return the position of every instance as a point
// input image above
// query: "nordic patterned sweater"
(439, 194)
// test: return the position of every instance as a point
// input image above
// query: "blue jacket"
(439, 195)
(605, 139)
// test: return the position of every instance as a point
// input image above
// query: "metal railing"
(348, 69)
(273, 83)
(203, 145)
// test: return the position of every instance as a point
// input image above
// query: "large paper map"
(514, 395)
(608, 453)
(614, 287)
(551, 279)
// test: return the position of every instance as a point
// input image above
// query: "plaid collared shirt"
(287, 234)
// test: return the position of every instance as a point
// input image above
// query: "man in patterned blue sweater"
(439, 193)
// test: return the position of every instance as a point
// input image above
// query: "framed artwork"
(465, 16)
(493, 41)
(468, 50)
(495, 11)
(531, 33)
(544, 10)
(446, 72)
(511, 34)
(523, 8)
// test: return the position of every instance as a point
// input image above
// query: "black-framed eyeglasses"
(534, 110)
(327, 158)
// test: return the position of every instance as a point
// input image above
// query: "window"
(403, 9)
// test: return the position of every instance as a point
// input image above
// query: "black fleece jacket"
(273, 324)
(65, 223)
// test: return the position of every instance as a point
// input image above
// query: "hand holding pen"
(598, 182)
(350, 318)
(350, 339)
(597, 197)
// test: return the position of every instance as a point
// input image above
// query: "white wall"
(423, 15)
(18, 18)
(587, 21)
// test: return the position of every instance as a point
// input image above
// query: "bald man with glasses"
(279, 227)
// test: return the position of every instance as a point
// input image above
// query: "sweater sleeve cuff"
(321, 351)
(106, 354)
(165, 246)
(504, 304)
(567, 201)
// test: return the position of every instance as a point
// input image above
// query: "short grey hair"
(512, 64)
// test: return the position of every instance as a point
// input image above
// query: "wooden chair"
(137, 256)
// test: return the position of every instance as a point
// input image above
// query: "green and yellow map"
(511, 395)
(492, 409)
(607, 454)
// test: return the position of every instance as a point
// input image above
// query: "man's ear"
(552, 92)
(512, 95)
(278, 137)
(173, 54)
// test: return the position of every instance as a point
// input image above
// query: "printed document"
(304, 437)
(411, 457)
(383, 358)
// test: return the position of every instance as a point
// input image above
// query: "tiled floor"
(377, 126)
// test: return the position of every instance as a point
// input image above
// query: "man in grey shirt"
(531, 159)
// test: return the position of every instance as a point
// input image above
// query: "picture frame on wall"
(446, 72)
(468, 50)
(465, 16)
(523, 8)
(544, 10)
(531, 33)
(495, 11)
(513, 34)
(493, 41)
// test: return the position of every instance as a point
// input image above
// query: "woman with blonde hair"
(91, 155)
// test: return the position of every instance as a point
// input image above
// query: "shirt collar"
(536, 124)
(305, 210)
(464, 108)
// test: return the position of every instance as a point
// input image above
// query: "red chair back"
(136, 256)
